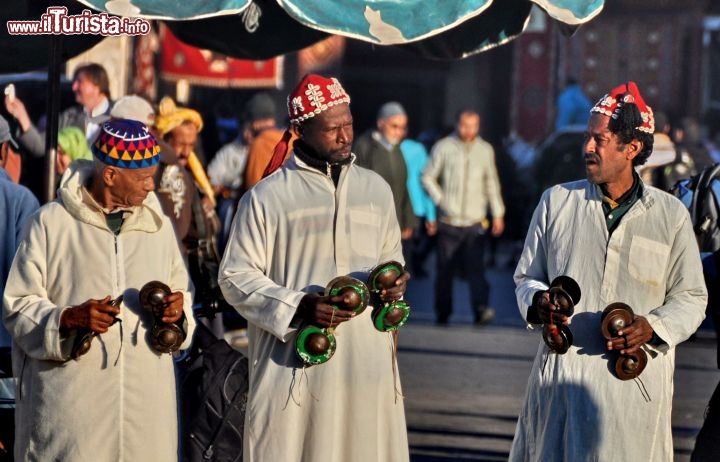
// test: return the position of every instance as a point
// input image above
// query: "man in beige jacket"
(462, 180)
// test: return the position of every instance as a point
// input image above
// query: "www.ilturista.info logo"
(57, 21)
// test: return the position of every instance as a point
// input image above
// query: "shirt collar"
(377, 136)
(99, 109)
(633, 193)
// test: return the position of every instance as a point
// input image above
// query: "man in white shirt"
(91, 86)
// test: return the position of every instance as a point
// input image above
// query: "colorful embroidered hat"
(612, 103)
(313, 95)
(126, 143)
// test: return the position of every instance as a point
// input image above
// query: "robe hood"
(146, 217)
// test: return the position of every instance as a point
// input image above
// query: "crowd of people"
(254, 236)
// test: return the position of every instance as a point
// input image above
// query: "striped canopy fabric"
(446, 29)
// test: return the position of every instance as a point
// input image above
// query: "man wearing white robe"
(104, 237)
(319, 216)
(622, 241)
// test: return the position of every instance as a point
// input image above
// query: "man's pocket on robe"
(648, 260)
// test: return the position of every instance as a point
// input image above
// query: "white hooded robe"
(118, 401)
(293, 233)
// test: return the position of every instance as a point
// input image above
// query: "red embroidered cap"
(611, 104)
(313, 95)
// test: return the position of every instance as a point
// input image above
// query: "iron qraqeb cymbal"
(152, 295)
(614, 317)
(629, 366)
(164, 337)
(565, 294)
(387, 316)
(391, 316)
(315, 345)
(384, 275)
(558, 339)
(354, 290)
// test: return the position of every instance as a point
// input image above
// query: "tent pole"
(53, 114)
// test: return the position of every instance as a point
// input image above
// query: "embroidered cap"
(612, 103)
(126, 143)
(313, 95)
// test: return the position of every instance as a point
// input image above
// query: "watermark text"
(57, 21)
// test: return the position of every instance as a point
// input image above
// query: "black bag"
(707, 443)
(701, 195)
(213, 391)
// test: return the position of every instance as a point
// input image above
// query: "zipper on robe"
(121, 398)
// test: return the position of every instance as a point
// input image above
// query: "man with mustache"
(317, 217)
(622, 241)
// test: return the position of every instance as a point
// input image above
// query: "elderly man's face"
(129, 187)
(330, 133)
(393, 128)
(606, 159)
(183, 139)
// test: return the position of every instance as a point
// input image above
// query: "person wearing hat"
(17, 203)
(10, 158)
(379, 150)
(311, 219)
(462, 180)
(174, 185)
(103, 239)
(621, 241)
(196, 220)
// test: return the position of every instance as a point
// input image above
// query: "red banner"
(204, 67)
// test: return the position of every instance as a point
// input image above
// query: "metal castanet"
(164, 337)
(614, 318)
(315, 345)
(391, 315)
(564, 293)
(353, 290)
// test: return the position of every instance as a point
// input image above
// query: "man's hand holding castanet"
(94, 315)
(173, 307)
(630, 338)
(319, 310)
